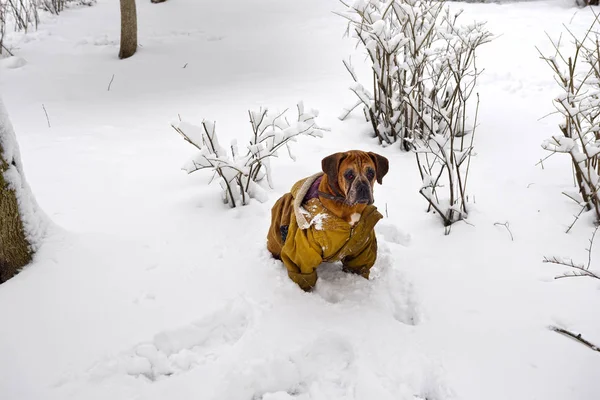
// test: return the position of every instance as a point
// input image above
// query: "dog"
(329, 217)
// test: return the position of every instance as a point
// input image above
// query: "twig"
(575, 220)
(589, 249)
(573, 17)
(582, 269)
(467, 222)
(507, 228)
(574, 336)
(576, 200)
(572, 275)
(47, 117)
(541, 162)
(560, 261)
(186, 64)
(348, 111)
(348, 65)
(7, 50)
(447, 221)
(111, 81)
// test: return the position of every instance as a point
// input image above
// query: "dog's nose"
(363, 192)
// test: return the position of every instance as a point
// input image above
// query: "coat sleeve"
(362, 262)
(301, 255)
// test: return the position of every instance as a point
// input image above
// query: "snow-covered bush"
(58, 6)
(53, 6)
(578, 75)
(585, 3)
(424, 74)
(445, 148)
(397, 36)
(19, 15)
(2, 27)
(240, 174)
(22, 15)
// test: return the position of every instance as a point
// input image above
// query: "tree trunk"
(15, 249)
(128, 29)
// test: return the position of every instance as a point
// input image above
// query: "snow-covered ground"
(148, 287)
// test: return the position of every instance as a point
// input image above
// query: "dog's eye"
(370, 174)
(349, 175)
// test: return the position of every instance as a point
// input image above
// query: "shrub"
(240, 175)
(578, 76)
(424, 75)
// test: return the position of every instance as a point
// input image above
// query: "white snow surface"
(153, 289)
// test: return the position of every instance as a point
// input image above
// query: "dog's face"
(352, 174)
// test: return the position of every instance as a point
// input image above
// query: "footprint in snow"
(175, 351)
(331, 367)
(325, 368)
(388, 288)
(99, 41)
(400, 296)
(391, 233)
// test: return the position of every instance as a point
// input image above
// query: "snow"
(318, 220)
(12, 62)
(153, 288)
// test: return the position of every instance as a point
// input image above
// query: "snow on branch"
(424, 73)
(241, 174)
(578, 76)
(575, 336)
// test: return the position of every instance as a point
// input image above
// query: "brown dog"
(329, 217)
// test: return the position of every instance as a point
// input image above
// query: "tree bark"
(128, 29)
(23, 224)
(15, 250)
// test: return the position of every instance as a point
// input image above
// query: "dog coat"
(303, 234)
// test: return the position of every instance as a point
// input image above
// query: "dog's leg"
(362, 262)
(362, 271)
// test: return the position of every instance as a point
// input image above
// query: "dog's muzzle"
(363, 193)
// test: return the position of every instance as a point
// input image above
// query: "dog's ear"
(382, 166)
(331, 168)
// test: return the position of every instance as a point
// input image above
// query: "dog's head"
(352, 175)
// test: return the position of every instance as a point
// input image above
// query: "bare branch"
(507, 228)
(47, 117)
(574, 336)
(589, 249)
(580, 269)
(348, 111)
(111, 81)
